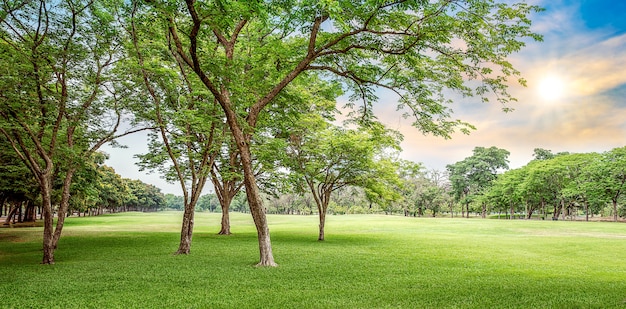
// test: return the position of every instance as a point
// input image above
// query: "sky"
(575, 99)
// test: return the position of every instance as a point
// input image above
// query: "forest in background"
(552, 186)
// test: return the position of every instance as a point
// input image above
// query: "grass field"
(369, 261)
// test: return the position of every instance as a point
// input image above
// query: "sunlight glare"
(551, 88)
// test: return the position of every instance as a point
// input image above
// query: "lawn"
(367, 261)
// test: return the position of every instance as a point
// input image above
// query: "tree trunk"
(186, 232)
(30, 213)
(266, 257)
(529, 215)
(225, 229)
(615, 210)
(20, 212)
(322, 223)
(557, 211)
(10, 214)
(451, 205)
(46, 203)
(63, 207)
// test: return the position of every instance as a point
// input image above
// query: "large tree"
(248, 54)
(61, 97)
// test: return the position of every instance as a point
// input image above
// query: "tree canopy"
(252, 59)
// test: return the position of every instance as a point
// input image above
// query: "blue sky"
(583, 54)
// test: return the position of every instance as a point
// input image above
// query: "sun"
(551, 88)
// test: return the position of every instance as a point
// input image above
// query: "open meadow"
(367, 261)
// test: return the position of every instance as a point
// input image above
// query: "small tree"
(334, 158)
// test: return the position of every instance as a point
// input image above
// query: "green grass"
(126, 261)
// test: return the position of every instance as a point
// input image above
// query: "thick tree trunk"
(30, 214)
(615, 210)
(186, 232)
(266, 257)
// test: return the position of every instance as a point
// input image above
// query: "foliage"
(564, 182)
(61, 95)
(252, 55)
(322, 158)
(145, 197)
(472, 176)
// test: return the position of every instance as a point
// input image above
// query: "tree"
(542, 154)
(609, 177)
(412, 178)
(174, 202)
(61, 97)
(95, 185)
(208, 202)
(507, 192)
(145, 197)
(579, 179)
(18, 188)
(227, 180)
(114, 191)
(333, 158)
(186, 120)
(474, 174)
(249, 54)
